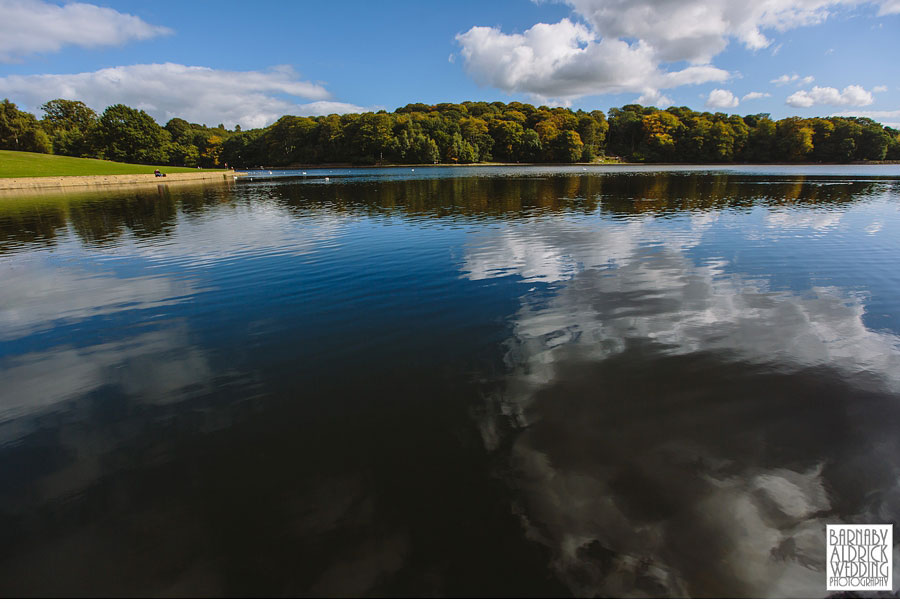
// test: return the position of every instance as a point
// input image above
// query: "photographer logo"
(859, 557)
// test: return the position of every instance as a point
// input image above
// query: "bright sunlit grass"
(19, 164)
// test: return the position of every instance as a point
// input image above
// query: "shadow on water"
(375, 488)
(485, 386)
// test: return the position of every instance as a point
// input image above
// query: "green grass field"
(18, 164)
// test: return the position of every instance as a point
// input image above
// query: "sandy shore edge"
(53, 182)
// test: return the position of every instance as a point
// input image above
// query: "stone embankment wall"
(33, 184)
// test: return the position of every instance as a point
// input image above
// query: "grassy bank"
(18, 164)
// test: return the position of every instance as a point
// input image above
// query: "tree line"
(462, 133)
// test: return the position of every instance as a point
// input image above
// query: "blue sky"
(249, 63)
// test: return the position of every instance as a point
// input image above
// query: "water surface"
(475, 381)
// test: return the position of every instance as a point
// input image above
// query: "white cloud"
(880, 89)
(887, 118)
(34, 26)
(851, 96)
(697, 30)
(889, 7)
(793, 79)
(565, 60)
(615, 46)
(327, 108)
(755, 95)
(872, 114)
(167, 90)
(721, 99)
(654, 98)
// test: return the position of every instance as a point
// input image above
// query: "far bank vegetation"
(455, 133)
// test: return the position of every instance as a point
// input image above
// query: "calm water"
(485, 381)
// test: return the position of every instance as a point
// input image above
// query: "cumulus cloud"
(35, 26)
(755, 95)
(697, 30)
(851, 96)
(793, 79)
(880, 89)
(654, 98)
(614, 46)
(721, 99)
(167, 90)
(565, 60)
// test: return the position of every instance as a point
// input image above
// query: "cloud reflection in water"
(676, 428)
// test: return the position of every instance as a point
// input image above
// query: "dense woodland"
(468, 132)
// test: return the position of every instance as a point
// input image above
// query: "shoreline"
(325, 166)
(56, 182)
(49, 183)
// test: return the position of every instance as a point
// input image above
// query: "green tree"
(530, 148)
(475, 131)
(507, 137)
(761, 140)
(625, 130)
(20, 130)
(424, 150)
(795, 138)
(187, 155)
(62, 114)
(68, 123)
(461, 151)
(374, 136)
(592, 128)
(289, 140)
(873, 140)
(893, 150)
(180, 130)
(131, 135)
(660, 129)
(721, 141)
(568, 147)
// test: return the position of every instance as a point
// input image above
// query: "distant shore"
(326, 166)
(42, 183)
(52, 182)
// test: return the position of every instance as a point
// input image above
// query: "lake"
(485, 381)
